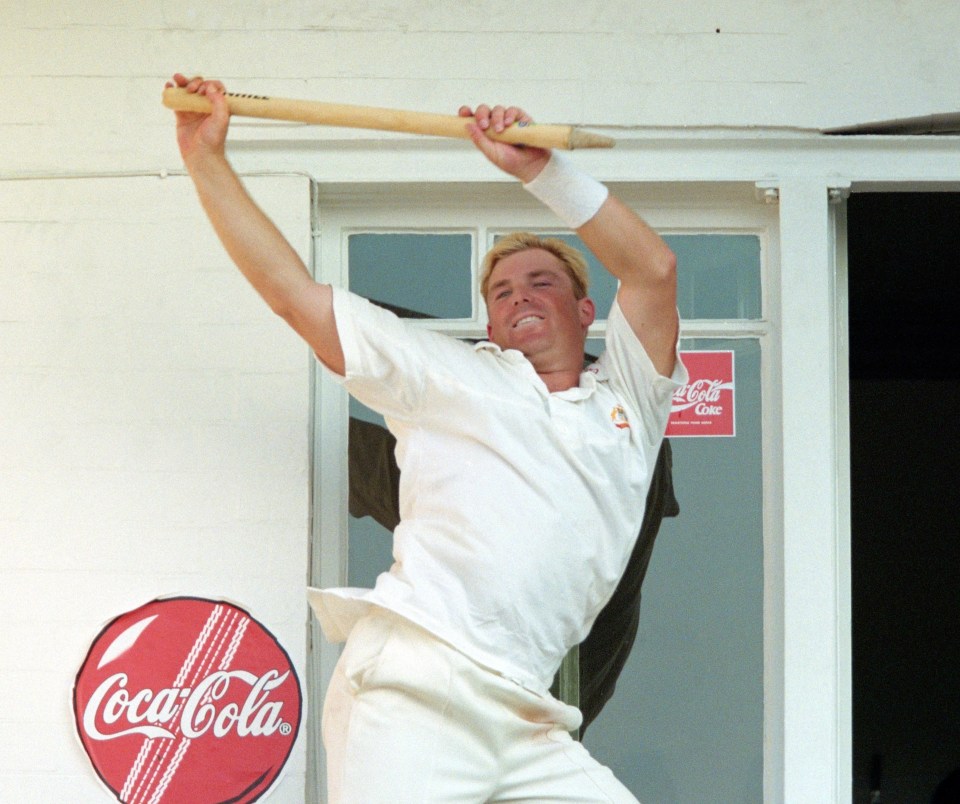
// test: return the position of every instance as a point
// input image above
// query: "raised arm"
(623, 243)
(647, 269)
(251, 239)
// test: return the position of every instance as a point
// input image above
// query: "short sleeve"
(631, 373)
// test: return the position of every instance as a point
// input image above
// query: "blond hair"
(573, 261)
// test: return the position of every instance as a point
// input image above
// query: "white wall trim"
(923, 162)
(816, 747)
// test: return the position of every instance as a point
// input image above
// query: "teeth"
(527, 320)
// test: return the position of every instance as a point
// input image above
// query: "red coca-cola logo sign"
(705, 405)
(187, 700)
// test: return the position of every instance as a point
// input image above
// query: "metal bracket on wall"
(839, 191)
(767, 192)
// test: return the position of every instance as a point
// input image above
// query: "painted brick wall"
(82, 80)
(153, 441)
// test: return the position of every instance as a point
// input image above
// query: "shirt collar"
(514, 357)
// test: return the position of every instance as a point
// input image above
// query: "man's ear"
(588, 311)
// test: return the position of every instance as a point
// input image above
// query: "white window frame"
(493, 210)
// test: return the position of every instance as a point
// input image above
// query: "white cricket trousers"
(407, 718)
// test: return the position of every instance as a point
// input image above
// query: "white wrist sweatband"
(573, 196)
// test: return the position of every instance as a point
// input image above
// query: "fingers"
(485, 145)
(211, 87)
(498, 118)
(197, 84)
(201, 133)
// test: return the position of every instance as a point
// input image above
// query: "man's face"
(532, 307)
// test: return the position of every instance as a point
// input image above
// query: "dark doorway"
(904, 268)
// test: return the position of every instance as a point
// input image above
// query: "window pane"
(718, 275)
(419, 275)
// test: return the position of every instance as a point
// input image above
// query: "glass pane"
(419, 275)
(686, 720)
(718, 275)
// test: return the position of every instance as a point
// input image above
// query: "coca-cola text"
(196, 711)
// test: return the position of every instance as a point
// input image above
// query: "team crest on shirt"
(619, 418)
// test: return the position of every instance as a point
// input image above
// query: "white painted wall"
(153, 442)
(82, 80)
(153, 415)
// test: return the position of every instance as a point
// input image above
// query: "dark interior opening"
(904, 269)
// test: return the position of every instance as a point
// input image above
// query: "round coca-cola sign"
(187, 700)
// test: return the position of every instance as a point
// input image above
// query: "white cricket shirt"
(519, 507)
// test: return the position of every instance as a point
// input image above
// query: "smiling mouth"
(527, 320)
